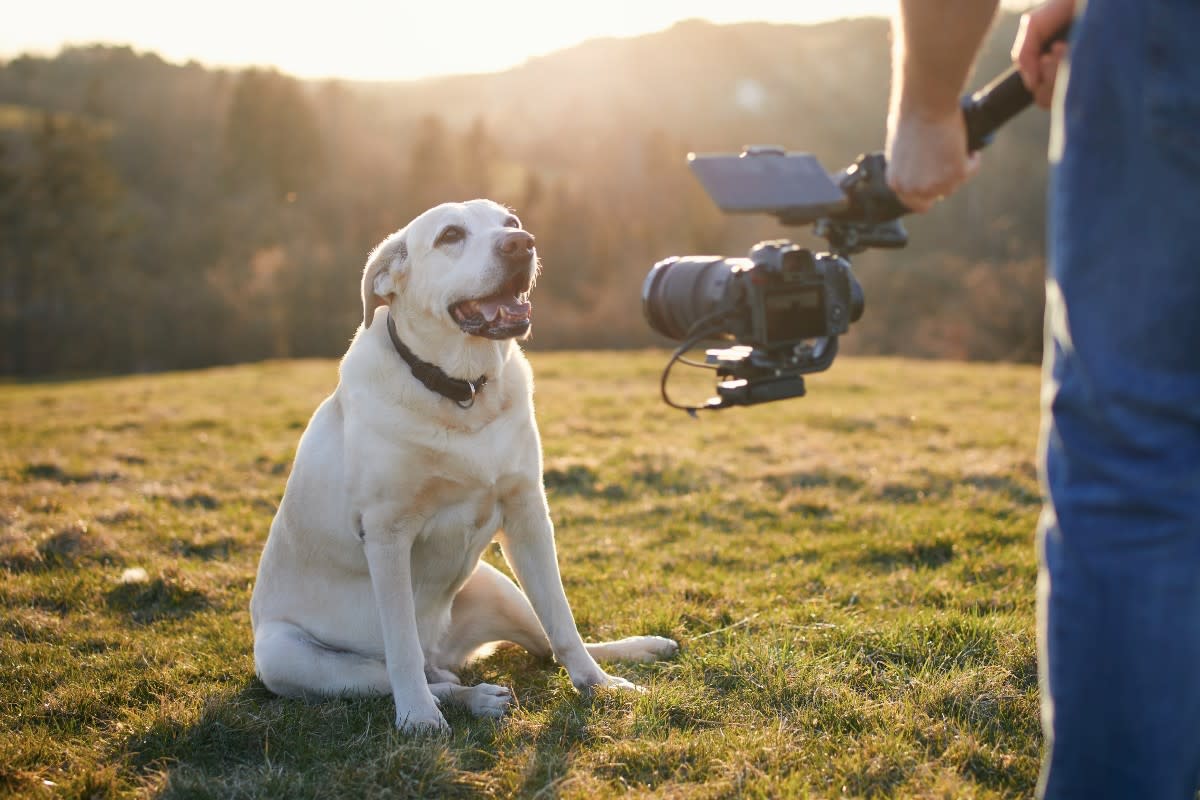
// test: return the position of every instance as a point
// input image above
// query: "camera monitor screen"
(793, 186)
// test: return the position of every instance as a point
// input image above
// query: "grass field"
(850, 575)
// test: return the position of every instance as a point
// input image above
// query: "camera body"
(779, 296)
(783, 307)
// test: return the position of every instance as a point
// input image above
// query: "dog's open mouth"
(503, 315)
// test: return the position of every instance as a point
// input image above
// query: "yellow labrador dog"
(371, 579)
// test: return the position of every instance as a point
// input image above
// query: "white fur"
(371, 579)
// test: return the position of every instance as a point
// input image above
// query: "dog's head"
(469, 265)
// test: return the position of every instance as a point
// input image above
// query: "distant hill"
(820, 88)
(235, 191)
(821, 81)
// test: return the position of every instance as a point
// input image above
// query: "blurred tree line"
(159, 216)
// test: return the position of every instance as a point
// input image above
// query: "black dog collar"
(460, 391)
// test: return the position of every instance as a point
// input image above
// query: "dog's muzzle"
(504, 314)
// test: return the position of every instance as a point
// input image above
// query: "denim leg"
(1119, 540)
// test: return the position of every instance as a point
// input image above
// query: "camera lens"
(680, 291)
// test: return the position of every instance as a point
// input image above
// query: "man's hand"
(1037, 66)
(934, 43)
(927, 158)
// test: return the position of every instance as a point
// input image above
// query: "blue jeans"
(1119, 585)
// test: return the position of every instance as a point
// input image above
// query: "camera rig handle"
(871, 218)
(998, 102)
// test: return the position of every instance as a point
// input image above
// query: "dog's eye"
(512, 222)
(450, 235)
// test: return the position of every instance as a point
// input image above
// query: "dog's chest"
(446, 503)
(459, 521)
(455, 490)
(457, 495)
(458, 480)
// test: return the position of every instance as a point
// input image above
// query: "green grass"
(850, 575)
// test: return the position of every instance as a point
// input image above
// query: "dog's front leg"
(388, 549)
(528, 543)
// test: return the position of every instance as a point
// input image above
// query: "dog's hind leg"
(491, 608)
(633, 648)
(293, 664)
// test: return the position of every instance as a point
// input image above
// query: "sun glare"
(372, 40)
(359, 39)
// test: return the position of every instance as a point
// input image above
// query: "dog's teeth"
(488, 309)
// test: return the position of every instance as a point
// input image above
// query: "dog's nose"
(516, 246)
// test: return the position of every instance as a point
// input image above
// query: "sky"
(372, 40)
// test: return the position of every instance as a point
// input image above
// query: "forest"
(159, 216)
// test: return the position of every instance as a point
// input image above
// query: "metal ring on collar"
(470, 401)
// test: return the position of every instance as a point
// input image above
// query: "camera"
(783, 307)
(777, 304)
(780, 295)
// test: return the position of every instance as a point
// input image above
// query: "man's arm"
(934, 44)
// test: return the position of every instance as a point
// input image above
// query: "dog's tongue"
(510, 306)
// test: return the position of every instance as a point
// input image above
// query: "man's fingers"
(1048, 68)
(1026, 52)
(917, 203)
(920, 196)
(927, 158)
(1018, 54)
(1035, 29)
(973, 164)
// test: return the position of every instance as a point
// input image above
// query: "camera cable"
(703, 328)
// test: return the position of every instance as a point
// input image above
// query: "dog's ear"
(384, 266)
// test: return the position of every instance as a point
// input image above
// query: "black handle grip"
(992, 106)
(998, 102)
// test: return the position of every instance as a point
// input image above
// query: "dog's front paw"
(488, 700)
(605, 681)
(422, 721)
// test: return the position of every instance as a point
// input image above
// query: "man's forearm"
(933, 49)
